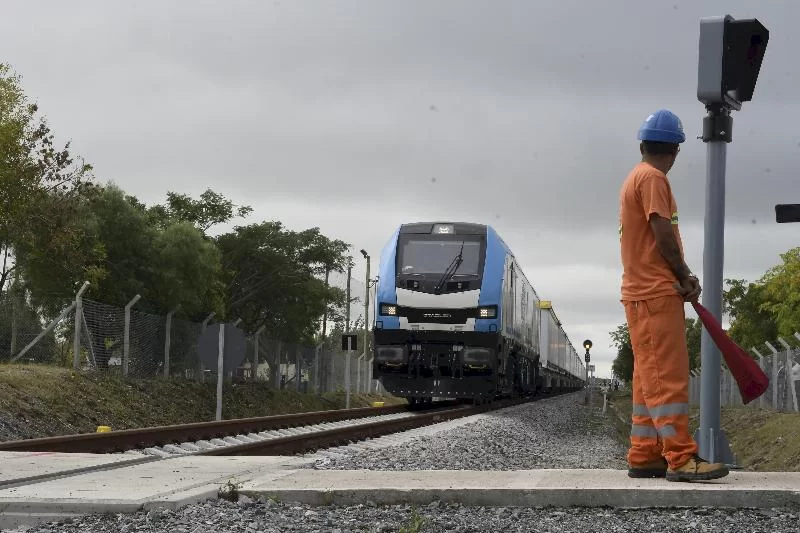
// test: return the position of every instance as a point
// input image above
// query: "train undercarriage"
(473, 366)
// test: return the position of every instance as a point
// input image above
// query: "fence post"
(15, 311)
(347, 380)
(126, 346)
(316, 367)
(199, 368)
(256, 336)
(358, 371)
(220, 367)
(791, 394)
(761, 399)
(168, 340)
(297, 370)
(76, 343)
(774, 376)
(278, 366)
(368, 370)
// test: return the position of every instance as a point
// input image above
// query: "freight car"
(457, 318)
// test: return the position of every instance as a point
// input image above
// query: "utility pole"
(731, 52)
(325, 312)
(349, 300)
(587, 344)
(366, 302)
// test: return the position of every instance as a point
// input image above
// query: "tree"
(782, 293)
(189, 271)
(40, 184)
(621, 340)
(270, 276)
(212, 208)
(623, 363)
(747, 304)
(694, 327)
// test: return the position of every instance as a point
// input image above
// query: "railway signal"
(731, 53)
(587, 344)
(787, 213)
(349, 342)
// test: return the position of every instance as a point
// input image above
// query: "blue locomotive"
(456, 318)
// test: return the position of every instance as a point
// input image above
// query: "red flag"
(751, 379)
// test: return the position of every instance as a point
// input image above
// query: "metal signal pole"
(731, 52)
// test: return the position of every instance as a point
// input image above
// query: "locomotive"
(456, 317)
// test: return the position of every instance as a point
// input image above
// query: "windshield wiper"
(450, 270)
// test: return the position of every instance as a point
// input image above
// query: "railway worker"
(655, 284)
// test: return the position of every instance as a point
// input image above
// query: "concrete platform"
(93, 488)
(26, 467)
(528, 488)
(54, 486)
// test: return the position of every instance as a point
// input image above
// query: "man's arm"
(668, 246)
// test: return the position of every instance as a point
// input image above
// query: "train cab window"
(424, 255)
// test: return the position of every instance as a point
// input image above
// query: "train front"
(437, 315)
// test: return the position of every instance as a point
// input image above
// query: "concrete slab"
(27, 467)
(528, 488)
(169, 483)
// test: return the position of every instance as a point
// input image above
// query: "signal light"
(388, 310)
(487, 312)
(731, 53)
(787, 213)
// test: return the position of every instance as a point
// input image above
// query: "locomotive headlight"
(477, 355)
(390, 354)
(388, 309)
(487, 312)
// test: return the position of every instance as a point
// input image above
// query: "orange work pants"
(660, 421)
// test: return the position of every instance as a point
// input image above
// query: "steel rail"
(127, 439)
(295, 444)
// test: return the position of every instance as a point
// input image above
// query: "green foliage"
(269, 275)
(212, 208)
(57, 230)
(621, 340)
(770, 307)
(40, 184)
(694, 328)
(623, 363)
(15, 311)
(751, 323)
(414, 524)
(782, 293)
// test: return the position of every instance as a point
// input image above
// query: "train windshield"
(433, 254)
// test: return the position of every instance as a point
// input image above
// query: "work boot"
(697, 469)
(656, 468)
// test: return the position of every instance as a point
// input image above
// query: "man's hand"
(689, 289)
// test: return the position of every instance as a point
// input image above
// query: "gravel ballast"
(557, 432)
(249, 516)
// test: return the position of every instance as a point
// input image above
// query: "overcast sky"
(357, 116)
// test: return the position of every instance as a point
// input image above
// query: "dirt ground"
(761, 440)
(42, 401)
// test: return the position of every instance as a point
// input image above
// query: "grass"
(40, 401)
(761, 440)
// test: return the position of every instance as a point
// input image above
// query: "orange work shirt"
(646, 274)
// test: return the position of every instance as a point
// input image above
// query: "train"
(456, 318)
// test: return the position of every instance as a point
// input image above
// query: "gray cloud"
(359, 116)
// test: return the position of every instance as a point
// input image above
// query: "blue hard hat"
(662, 126)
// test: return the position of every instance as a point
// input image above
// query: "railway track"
(272, 435)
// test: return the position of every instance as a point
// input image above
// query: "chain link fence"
(127, 342)
(782, 367)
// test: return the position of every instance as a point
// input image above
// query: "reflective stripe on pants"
(660, 417)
